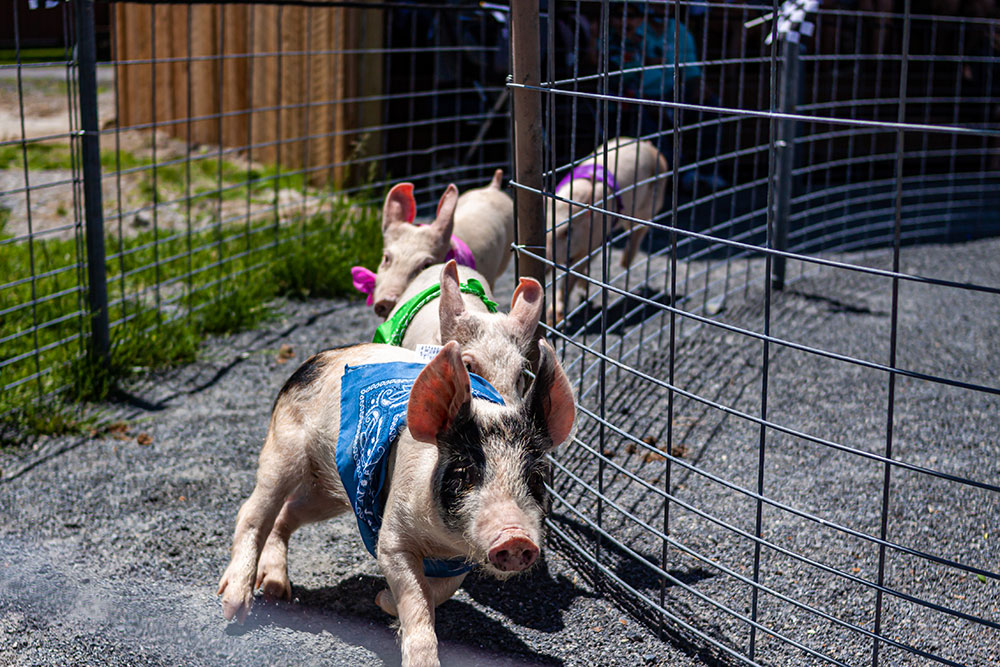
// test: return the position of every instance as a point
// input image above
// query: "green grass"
(205, 177)
(37, 55)
(174, 289)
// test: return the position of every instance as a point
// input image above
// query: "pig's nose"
(514, 554)
(384, 306)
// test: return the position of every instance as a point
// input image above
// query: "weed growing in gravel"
(166, 291)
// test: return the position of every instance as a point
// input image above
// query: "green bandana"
(393, 329)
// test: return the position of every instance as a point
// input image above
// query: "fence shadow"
(548, 597)
(624, 312)
(626, 598)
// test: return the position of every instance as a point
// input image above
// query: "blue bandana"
(373, 401)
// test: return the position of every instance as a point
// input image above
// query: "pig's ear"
(526, 307)
(439, 392)
(444, 220)
(452, 306)
(400, 207)
(549, 402)
(497, 179)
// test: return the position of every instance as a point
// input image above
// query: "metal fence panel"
(749, 459)
(228, 134)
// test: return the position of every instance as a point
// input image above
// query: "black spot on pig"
(461, 467)
(304, 375)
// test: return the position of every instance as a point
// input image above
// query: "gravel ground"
(110, 549)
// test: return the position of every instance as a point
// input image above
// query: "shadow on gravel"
(348, 611)
(623, 311)
(622, 562)
(638, 585)
(536, 600)
(835, 305)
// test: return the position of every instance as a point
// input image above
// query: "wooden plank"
(264, 43)
(135, 46)
(321, 95)
(340, 92)
(205, 95)
(303, 97)
(162, 72)
(235, 71)
(180, 88)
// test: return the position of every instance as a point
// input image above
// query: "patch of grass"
(33, 420)
(320, 266)
(36, 55)
(49, 155)
(167, 291)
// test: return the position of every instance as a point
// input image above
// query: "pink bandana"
(461, 253)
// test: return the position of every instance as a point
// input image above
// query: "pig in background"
(631, 188)
(494, 345)
(465, 479)
(482, 219)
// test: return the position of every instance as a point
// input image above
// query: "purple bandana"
(591, 171)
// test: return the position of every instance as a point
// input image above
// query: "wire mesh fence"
(786, 450)
(766, 376)
(229, 135)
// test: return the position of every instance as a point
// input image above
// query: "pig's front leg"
(442, 588)
(414, 605)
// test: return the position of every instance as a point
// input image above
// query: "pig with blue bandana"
(441, 473)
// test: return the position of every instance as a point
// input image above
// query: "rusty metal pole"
(527, 120)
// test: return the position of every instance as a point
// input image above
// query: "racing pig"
(476, 229)
(494, 345)
(630, 187)
(462, 480)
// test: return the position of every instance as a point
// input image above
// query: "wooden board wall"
(279, 83)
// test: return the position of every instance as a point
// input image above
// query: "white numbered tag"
(428, 352)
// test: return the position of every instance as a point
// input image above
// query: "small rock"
(285, 352)
(650, 658)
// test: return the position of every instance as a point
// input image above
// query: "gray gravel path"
(110, 550)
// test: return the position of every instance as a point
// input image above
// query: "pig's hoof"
(235, 604)
(386, 602)
(236, 607)
(276, 585)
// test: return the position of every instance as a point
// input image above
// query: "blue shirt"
(373, 402)
(659, 53)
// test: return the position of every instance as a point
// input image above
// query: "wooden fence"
(284, 83)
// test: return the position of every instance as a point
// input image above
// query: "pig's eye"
(427, 264)
(466, 475)
(386, 260)
(536, 483)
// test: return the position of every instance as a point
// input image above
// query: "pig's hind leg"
(280, 470)
(309, 504)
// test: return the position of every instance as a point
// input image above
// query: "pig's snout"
(384, 306)
(513, 554)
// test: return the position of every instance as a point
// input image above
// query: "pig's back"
(484, 220)
(425, 327)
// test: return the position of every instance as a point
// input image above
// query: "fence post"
(527, 114)
(786, 156)
(97, 292)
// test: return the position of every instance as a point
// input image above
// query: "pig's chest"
(374, 402)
